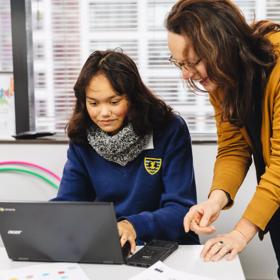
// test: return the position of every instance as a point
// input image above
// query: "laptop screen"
(60, 231)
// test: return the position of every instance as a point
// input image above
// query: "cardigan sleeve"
(75, 184)
(233, 156)
(266, 199)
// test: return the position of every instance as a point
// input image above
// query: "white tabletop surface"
(185, 259)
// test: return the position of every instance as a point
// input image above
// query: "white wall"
(257, 260)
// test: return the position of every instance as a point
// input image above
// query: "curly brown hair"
(238, 56)
(146, 111)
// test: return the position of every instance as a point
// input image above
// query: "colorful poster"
(7, 105)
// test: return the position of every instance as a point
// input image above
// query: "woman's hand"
(201, 216)
(127, 233)
(228, 245)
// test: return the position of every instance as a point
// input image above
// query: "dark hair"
(146, 111)
(238, 57)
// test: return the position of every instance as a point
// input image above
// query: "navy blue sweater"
(153, 192)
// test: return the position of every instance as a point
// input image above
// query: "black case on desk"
(156, 250)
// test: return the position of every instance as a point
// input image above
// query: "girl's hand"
(127, 233)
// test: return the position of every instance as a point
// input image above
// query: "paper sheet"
(160, 271)
(46, 271)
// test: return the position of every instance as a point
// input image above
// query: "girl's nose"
(105, 111)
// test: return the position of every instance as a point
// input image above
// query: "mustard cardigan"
(235, 150)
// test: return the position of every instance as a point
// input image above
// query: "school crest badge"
(152, 165)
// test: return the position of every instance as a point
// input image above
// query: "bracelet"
(229, 200)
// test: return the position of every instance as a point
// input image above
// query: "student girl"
(238, 64)
(129, 148)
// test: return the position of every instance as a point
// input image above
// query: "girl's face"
(191, 65)
(105, 108)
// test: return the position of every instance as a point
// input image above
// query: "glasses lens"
(187, 66)
(174, 62)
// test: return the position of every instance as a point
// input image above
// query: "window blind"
(6, 62)
(248, 8)
(113, 16)
(130, 46)
(66, 32)
(273, 10)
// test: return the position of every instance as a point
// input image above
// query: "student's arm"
(178, 191)
(75, 184)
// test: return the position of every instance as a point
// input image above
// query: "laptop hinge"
(107, 262)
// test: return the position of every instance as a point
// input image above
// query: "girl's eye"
(92, 104)
(114, 102)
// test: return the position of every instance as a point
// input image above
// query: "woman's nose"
(186, 74)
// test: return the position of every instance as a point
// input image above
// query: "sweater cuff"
(260, 210)
(143, 225)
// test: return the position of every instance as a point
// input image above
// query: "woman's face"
(105, 108)
(191, 65)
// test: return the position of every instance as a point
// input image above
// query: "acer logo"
(15, 232)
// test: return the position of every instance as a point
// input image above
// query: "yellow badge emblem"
(152, 165)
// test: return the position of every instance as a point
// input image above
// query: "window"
(135, 26)
(6, 62)
(62, 44)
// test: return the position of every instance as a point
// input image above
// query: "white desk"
(186, 258)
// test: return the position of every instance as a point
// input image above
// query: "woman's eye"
(92, 104)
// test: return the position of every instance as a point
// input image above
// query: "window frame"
(22, 49)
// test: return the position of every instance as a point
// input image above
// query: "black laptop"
(61, 231)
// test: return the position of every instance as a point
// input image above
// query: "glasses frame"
(191, 67)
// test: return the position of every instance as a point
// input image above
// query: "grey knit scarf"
(120, 148)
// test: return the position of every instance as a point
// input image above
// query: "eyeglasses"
(186, 65)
